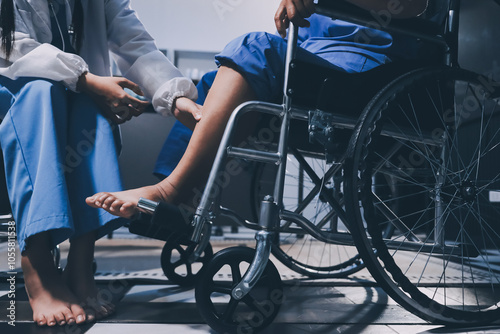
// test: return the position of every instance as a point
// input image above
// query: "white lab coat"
(109, 26)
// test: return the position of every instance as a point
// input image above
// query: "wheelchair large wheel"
(436, 131)
(309, 192)
(221, 310)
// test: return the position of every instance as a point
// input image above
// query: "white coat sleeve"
(30, 58)
(140, 61)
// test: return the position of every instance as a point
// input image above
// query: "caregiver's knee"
(44, 85)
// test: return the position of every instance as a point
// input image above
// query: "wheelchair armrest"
(416, 27)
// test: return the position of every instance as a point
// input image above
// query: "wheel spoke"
(178, 263)
(230, 309)
(225, 290)
(189, 269)
(181, 251)
(235, 272)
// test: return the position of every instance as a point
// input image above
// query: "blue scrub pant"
(260, 58)
(58, 149)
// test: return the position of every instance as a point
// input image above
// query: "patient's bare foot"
(51, 300)
(124, 203)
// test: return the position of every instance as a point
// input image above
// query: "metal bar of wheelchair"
(433, 248)
(307, 226)
(317, 188)
(245, 153)
(269, 219)
(403, 245)
(228, 213)
(347, 122)
(346, 239)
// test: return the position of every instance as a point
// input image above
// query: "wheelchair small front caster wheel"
(176, 264)
(220, 310)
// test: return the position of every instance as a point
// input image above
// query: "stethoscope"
(70, 29)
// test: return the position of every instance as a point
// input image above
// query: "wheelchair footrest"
(167, 223)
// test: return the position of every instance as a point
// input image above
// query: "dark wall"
(479, 48)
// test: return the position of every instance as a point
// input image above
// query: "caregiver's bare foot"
(97, 303)
(51, 300)
(124, 203)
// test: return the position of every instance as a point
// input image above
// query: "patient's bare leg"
(228, 91)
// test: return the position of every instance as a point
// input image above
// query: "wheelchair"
(407, 185)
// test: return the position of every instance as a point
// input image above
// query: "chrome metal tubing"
(198, 223)
(318, 184)
(346, 239)
(202, 211)
(230, 214)
(310, 228)
(433, 248)
(279, 186)
(339, 121)
(147, 205)
(245, 153)
(200, 247)
(268, 218)
(254, 272)
(452, 33)
(300, 113)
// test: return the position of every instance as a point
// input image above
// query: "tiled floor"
(128, 268)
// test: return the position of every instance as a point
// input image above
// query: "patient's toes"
(78, 313)
(69, 316)
(96, 200)
(108, 202)
(91, 201)
(102, 197)
(60, 318)
(40, 320)
(51, 320)
(116, 205)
